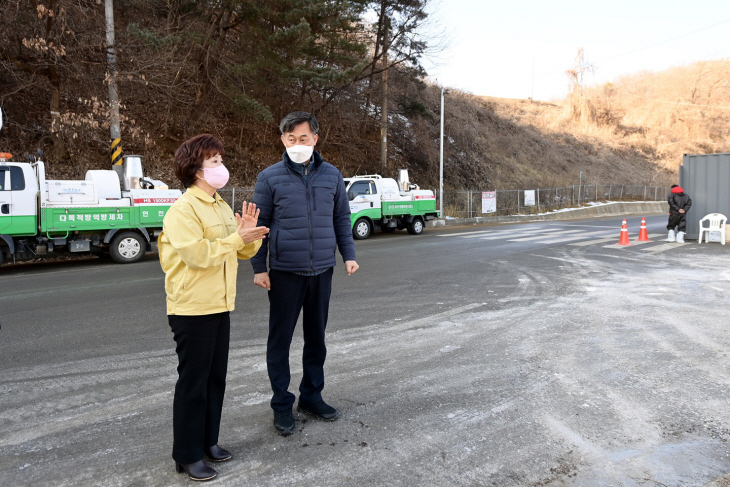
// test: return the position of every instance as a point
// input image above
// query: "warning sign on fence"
(489, 202)
(530, 197)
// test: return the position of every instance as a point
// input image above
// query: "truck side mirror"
(350, 195)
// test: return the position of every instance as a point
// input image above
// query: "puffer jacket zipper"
(309, 218)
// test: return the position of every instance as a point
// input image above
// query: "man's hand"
(247, 228)
(262, 279)
(351, 266)
(682, 211)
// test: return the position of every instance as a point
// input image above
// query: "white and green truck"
(387, 204)
(101, 214)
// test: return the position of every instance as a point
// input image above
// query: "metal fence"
(468, 203)
(236, 196)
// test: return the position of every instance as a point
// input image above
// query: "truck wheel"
(127, 247)
(416, 226)
(362, 229)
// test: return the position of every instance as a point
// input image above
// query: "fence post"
(596, 192)
(622, 193)
(655, 189)
(538, 200)
(609, 191)
(233, 201)
(644, 192)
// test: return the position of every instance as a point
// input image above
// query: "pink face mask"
(216, 176)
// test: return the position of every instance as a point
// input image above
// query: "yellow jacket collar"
(202, 195)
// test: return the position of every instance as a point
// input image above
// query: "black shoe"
(320, 409)
(196, 471)
(218, 454)
(284, 422)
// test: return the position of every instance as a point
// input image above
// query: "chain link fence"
(236, 196)
(468, 203)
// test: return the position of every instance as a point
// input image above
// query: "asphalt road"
(525, 354)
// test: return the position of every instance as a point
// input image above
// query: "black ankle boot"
(196, 471)
(218, 454)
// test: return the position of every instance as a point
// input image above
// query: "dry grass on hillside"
(666, 114)
(634, 130)
(525, 144)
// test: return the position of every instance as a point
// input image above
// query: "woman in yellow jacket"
(200, 244)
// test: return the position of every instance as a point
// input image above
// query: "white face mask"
(300, 153)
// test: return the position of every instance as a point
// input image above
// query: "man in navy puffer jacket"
(304, 203)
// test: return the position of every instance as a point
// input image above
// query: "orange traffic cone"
(624, 240)
(643, 234)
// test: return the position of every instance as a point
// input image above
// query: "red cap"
(677, 190)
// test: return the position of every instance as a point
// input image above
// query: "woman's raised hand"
(247, 228)
(249, 215)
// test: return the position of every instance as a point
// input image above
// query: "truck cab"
(18, 190)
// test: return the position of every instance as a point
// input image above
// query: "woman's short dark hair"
(190, 155)
(288, 123)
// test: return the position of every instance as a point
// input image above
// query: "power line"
(664, 41)
(552, 73)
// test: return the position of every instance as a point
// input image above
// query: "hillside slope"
(522, 144)
(633, 132)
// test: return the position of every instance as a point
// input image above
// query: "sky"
(522, 48)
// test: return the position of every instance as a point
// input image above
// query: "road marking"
(571, 238)
(501, 231)
(593, 242)
(464, 233)
(511, 237)
(505, 233)
(663, 247)
(543, 235)
(608, 239)
(551, 239)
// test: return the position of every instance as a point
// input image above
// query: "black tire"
(362, 229)
(127, 247)
(416, 226)
(2, 256)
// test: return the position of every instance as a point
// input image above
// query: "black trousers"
(202, 352)
(678, 220)
(290, 293)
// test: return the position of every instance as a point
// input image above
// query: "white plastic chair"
(717, 224)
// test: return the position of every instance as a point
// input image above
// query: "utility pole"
(441, 157)
(384, 109)
(114, 128)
